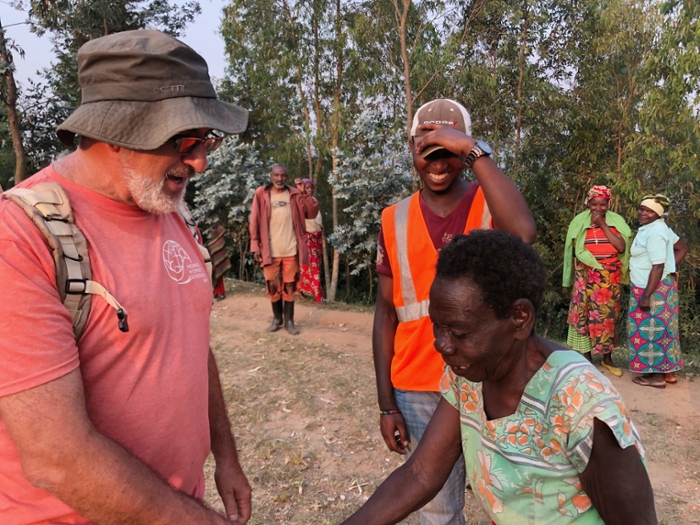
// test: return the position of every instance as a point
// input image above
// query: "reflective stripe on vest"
(412, 309)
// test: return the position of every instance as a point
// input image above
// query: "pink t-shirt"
(146, 389)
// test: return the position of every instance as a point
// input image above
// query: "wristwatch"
(479, 149)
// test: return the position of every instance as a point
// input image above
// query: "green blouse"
(524, 468)
(575, 245)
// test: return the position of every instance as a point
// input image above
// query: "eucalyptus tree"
(373, 174)
(8, 97)
(290, 62)
(663, 152)
(224, 193)
(410, 48)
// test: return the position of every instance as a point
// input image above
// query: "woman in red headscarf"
(596, 257)
(310, 278)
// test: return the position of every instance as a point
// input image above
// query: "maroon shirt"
(441, 229)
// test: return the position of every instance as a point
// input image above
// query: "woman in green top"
(546, 437)
(595, 262)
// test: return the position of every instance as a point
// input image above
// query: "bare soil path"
(305, 416)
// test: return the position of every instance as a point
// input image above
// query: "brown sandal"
(643, 381)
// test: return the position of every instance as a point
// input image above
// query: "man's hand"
(258, 257)
(235, 491)
(394, 432)
(446, 136)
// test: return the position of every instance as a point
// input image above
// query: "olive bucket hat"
(141, 88)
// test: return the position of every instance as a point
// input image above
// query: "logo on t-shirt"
(180, 267)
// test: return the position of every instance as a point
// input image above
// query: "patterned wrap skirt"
(594, 308)
(220, 261)
(310, 278)
(653, 335)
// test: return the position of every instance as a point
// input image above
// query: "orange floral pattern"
(529, 462)
(595, 304)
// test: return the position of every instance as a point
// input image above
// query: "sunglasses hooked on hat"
(141, 89)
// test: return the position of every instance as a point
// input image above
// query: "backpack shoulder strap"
(48, 206)
(186, 215)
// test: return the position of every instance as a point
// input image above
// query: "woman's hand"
(655, 275)
(644, 303)
(598, 218)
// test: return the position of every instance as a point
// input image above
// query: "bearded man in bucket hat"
(115, 428)
(407, 367)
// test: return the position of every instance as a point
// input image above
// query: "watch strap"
(476, 152)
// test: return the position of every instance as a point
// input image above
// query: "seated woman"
(546, 438)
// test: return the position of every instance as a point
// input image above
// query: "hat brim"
(148, 125)
(430, 150)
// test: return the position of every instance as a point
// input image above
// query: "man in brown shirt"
(278, 242)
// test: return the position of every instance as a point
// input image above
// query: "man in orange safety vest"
(407, 367)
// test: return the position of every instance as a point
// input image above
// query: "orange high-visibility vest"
(412, 256)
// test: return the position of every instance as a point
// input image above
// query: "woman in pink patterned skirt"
(310, 279)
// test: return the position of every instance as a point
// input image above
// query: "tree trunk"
(300, 88)
(334, 277)
(521, 80)
(336, 255)
(402, 18)
(326, 269)
(10, 101)
(241, 262)
(320, 122)
(335, 131)
(347, 279)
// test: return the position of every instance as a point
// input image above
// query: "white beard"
(149, 195)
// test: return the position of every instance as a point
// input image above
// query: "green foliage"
(224, 193)
(7, 155)
(568, 93)
(369, 179)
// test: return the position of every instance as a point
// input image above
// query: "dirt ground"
(305, 417)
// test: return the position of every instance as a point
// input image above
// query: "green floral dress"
(525, 467)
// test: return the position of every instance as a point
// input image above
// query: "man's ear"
(523, 318)
(412, 145)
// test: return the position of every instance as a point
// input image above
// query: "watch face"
(484, 147)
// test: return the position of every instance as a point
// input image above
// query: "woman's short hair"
(503, 267)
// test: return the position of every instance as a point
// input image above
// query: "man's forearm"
(507, 205)
(223, 445)
(107, 485)
(383, 351)
(62, 453)
(383, 333)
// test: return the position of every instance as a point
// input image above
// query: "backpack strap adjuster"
(72, 289)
